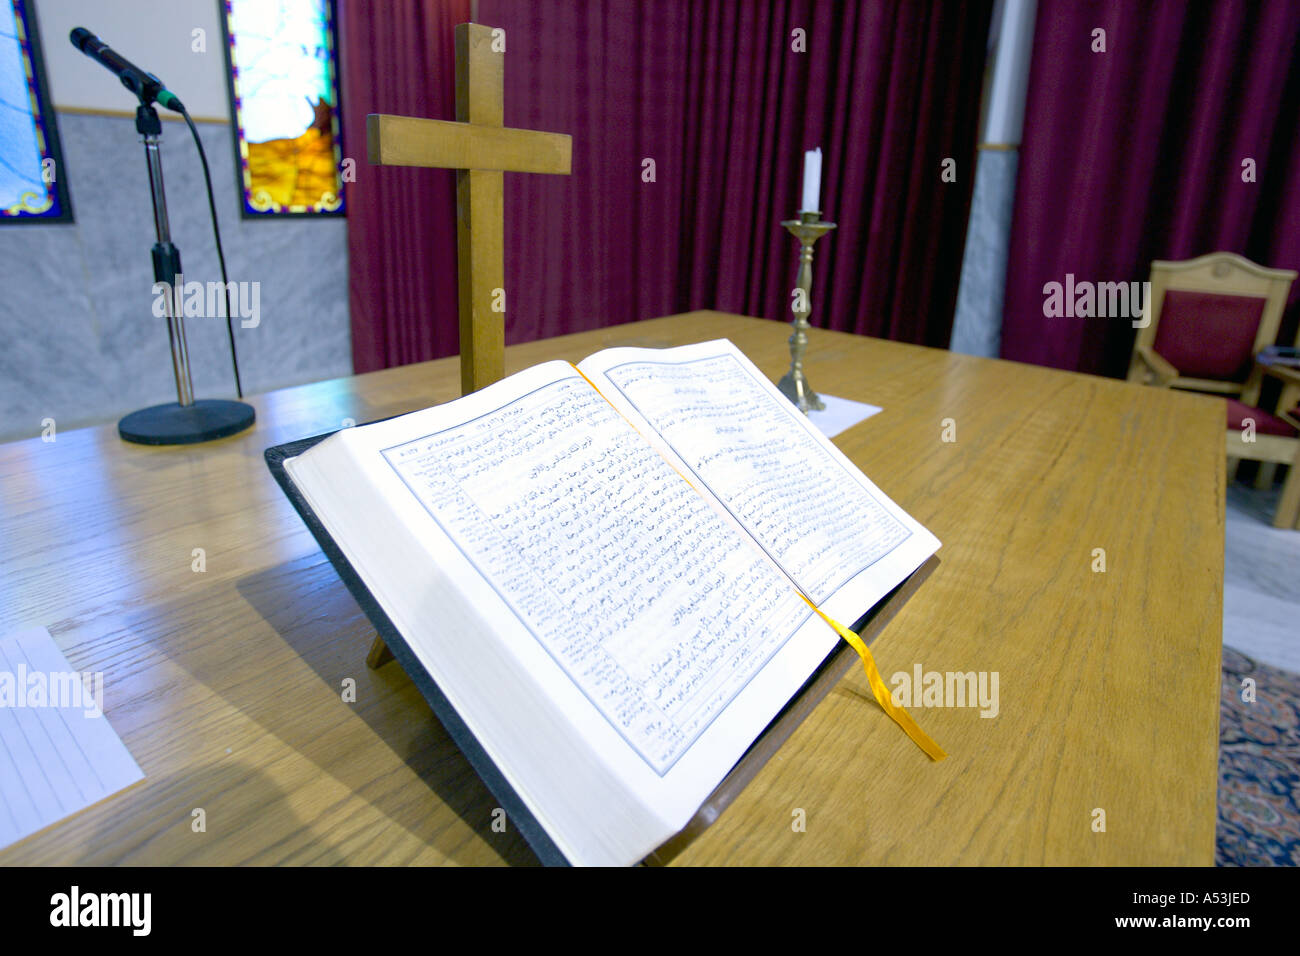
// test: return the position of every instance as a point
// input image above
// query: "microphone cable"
(216, 233)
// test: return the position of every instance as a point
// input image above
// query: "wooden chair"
(1205, 320)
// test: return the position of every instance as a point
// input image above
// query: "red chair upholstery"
(1265, 422)
(1208, 334)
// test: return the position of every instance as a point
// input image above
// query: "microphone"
(144, 85)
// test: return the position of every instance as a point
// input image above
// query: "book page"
(813, 512)
(636, 589)
(607, 634)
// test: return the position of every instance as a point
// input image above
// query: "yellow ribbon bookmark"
(883, 697)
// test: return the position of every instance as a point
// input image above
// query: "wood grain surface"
(226, 683)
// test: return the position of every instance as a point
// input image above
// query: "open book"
(604, 567)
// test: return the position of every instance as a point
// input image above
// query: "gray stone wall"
(977, 325)
(81, 343)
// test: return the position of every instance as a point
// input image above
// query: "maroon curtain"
(689, 120)
(900, 98)
(1137, 154)
(399, 57)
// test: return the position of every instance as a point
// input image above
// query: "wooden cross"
(481, 149)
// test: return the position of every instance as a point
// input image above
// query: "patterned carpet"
(1259, 766)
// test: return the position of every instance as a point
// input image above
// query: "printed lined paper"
(58, 753)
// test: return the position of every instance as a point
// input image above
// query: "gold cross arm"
(412, 141)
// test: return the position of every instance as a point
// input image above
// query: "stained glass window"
(32, 187)
(284, 99)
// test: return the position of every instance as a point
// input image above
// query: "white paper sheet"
(58, 753)
(840, 415)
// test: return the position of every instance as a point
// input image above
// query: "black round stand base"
(175, 424)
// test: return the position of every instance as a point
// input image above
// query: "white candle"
(812, 180)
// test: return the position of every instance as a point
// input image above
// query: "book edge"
(516, 810)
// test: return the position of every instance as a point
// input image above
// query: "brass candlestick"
(808, 228)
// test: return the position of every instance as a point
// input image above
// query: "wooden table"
(226, 683)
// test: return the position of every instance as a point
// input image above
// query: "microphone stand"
(184, 421)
